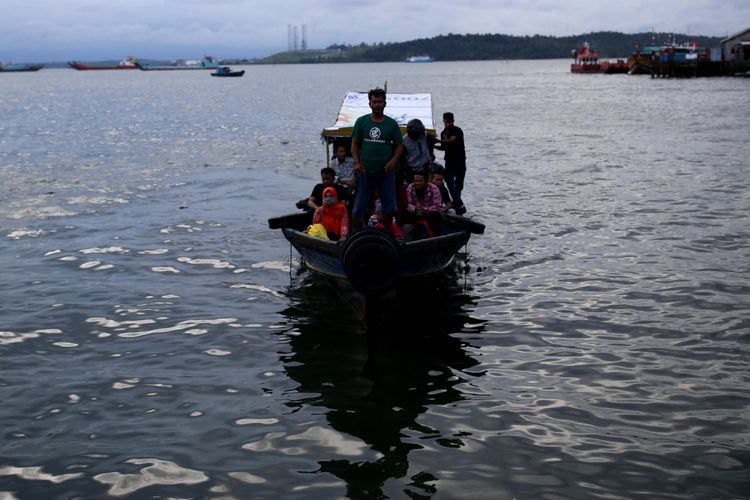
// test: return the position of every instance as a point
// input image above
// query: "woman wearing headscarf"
(332, 214)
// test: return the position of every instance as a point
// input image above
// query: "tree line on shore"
(482, 47)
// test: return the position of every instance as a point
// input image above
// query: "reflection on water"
(597, 348)
(156, 472)
(374, 381)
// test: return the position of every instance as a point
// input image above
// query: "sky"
(91, 30)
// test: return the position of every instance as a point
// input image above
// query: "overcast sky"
(61, 30)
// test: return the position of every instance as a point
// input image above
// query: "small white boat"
(419, 59)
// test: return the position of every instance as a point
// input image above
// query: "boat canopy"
(400, 107)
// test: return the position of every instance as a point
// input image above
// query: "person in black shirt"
(452, 142)
(327, 175)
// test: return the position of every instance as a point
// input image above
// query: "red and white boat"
(587, 61)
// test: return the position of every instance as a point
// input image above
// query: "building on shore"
(735, 51)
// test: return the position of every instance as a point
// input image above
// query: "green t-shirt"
(377, 142)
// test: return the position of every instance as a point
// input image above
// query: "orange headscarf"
(334, 218)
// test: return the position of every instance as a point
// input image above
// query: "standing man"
(452, 142)
(376, 147)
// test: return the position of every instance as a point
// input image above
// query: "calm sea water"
(158, 341)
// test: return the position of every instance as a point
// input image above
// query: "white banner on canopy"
(400, 107)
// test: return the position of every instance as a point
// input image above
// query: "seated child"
(333, 215)
(376, 221)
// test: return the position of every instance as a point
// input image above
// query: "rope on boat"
(290, 261)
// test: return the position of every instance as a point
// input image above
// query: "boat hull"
(87, 67)
(416, 258)
(202, 65)
(18, 68)
(585, 68)
(230, 74)
(614, 67)
(605, 67)
(640, 64)
(148, 67)
(372, 261)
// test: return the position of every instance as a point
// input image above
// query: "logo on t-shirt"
(375, 133)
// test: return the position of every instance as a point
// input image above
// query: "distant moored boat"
(16, 68)
(127, 63)
(587, 61)
(227, 71)
(641, 61)
(419, 59)
(207, 62)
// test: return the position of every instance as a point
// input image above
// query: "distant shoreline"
(486, 47)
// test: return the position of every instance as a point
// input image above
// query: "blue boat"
(227, 71)
(207, 62)
(372, 261)
(16, 68)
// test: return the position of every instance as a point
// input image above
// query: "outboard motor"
(371, 262)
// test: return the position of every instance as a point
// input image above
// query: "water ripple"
(156, 472)
(158, 340)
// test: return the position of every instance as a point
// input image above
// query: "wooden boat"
(641, 61)
(17, 68)
(207, 62)
(127, 63)
(372, 261)
(227, 71)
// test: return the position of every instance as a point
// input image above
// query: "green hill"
(480, 47)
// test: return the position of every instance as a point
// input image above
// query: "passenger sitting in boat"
(327, 175)
(437, 178)
(332, 215)
(423, 209)
(376, 221)
(418, 150)
(344, 167)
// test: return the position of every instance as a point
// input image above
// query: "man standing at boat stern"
(452, 142)
(376, 146)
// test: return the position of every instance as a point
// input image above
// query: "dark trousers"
(455, 173)
(433, 221)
